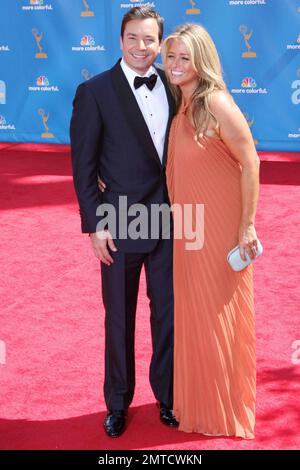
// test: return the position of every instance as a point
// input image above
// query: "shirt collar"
(131, 74)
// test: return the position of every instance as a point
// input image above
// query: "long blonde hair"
(205, 60)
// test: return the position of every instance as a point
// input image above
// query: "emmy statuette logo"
(247, 36)
(46, 134)
(38, 37)
(193, 10)
(87, 12)
(250, 124)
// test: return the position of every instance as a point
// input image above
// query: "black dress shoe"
(114, 423)
(167, 417)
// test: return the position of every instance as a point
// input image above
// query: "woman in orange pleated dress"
(212, 161)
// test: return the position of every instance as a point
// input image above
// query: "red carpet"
(52, 320)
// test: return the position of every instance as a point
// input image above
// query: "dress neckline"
(210, 133)
(184, 106)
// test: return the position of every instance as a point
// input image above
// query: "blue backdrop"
(47, 47)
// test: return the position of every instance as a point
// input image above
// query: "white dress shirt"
(153, 105)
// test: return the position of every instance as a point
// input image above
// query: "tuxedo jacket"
(110, 138)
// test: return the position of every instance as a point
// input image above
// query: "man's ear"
(121, 43)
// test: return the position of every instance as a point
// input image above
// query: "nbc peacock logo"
(249, 86)
(42, 81)
(87, 41)
(249, 82)
(4, 126)
(36, 5)
(88, 44)
(42, 84)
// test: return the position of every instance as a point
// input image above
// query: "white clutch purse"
(235, 260)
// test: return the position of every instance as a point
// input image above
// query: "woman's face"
(179, 68)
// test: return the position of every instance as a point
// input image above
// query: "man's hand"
(100, 243)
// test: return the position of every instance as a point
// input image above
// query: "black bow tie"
(149, 81)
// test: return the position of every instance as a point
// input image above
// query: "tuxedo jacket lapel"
(132, 112)
(134, 116)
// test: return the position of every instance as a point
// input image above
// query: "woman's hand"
(248, 241)
(101, 185)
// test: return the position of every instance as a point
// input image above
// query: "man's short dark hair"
(143, 13)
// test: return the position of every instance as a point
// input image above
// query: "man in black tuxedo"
(119, 130)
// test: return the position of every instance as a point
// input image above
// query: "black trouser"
(120, 285)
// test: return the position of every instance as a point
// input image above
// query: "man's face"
(140, 44)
